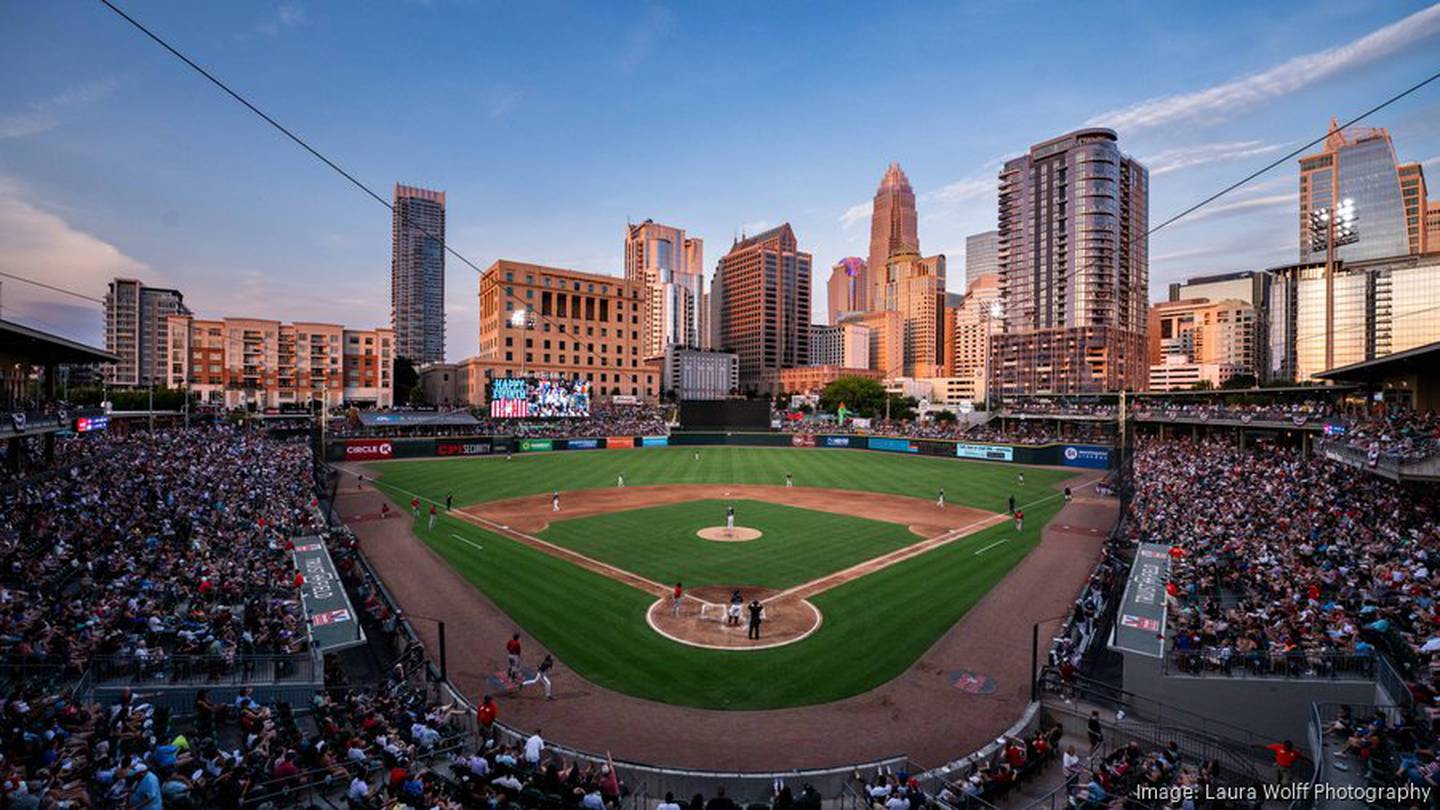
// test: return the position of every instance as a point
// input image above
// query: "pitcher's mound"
(739, 534)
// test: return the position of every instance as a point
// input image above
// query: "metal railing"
(1383, 464)
(1221, 662)
(205, 670)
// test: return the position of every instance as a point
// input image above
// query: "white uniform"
(555, 502)
(940, 501)
(620, 481)
(730, 520)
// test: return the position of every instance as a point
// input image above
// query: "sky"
(550, 125)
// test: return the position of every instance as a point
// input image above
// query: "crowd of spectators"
(1057, 407)
(1282, 561)
(1394, 433)
(171, 543)
(604, 420)
(69, 451)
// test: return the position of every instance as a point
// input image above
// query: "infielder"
(555, 501)
(677, 599)
(940, 500)
(542, 676)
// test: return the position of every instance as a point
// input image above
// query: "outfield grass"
(875, 627)
(797, 546)
(983, 485)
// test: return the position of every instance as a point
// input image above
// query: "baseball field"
(858, 567)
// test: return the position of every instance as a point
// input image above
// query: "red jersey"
(513, 646)
(485, 713)
(678, 592)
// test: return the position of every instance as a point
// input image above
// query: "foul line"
(805, 590)
(992, 545)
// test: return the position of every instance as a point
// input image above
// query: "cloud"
(38, 244)
(44, 115)
(502, 100)
(1221, 101)
(1174, 160)
(856, 214)
(758, 226)
(287, 15)
(647, 32)
(1229, 209)
(1434, 161)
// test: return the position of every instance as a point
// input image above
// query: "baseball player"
(432, 517)
(415, 507)
(620, 481)
(697, 455)
(542, 676)
(512, 658)
(789, 480)
(555, 501)
(940, 499)
(1019, 520)
(676, 599)
(736, 600)
(449, 500)
(730, 519)
(1011, 510)
(1022, 479)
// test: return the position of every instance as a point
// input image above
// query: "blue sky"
(550, 124)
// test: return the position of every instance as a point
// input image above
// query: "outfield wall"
(1081, 456)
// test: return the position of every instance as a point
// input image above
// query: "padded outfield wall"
(1080, 456)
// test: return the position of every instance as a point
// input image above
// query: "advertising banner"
(837, 441)
(802, 440)
(892, 445)
(1084, 455)
(1140, 627)
(1330, 430)
(582, 444)
(860, 423)
(654, 441)
(85, 424)
(449, 448)
(536, 445)
(368, 449)
(620, 441)
(333, 623)
(989, 452)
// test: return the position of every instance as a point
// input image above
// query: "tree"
(1203, 385)
(861, 396)
(943, 416)
(901, 407)
(405, 377)
(1240, 381)
(417, 396)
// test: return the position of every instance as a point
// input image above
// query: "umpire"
(755, 609)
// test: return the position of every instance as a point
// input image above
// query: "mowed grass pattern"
(875, 627)
(983, 485)
(797, 546)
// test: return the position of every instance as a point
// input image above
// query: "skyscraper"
(1074, 268)
(914, 287)
(893, 229)
(671, 268)
(764, 289)
(846, 289)
(1358, 165)
(135, 331)
(417, 274)
(982, 256)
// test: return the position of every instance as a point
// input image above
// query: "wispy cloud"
(758, 226)
(1217, 103)
(1173, 160)
(1252, 204)
(1434, 161)
(501, 101)
(45, 114)
(287, 15)
(647, 31)
(966, 189)
(856, 214)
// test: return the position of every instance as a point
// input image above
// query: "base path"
(919, 712)
(533, 513)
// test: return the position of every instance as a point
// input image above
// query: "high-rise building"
(237, 362)
(982, 255)
(972, 326)
(915, 288)
(417, 274)
(1380, 307)
(671, 268)
(1196, 339)
(135, 329)
(893, 229)
(845, 292)
(764, 284)
(1358, 173)
(1246, 285)
(846, 345)
(887, 341)
(573, 324)
(1074, 269)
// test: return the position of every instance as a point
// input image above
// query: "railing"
(291, 790)
(1221, 662)
(205, 670)
(1389, 466)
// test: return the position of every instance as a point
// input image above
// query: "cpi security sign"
(333, 623)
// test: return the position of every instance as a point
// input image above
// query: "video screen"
(539, 397)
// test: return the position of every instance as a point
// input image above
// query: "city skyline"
(207, 175)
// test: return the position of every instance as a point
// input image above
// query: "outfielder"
(620, 481)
